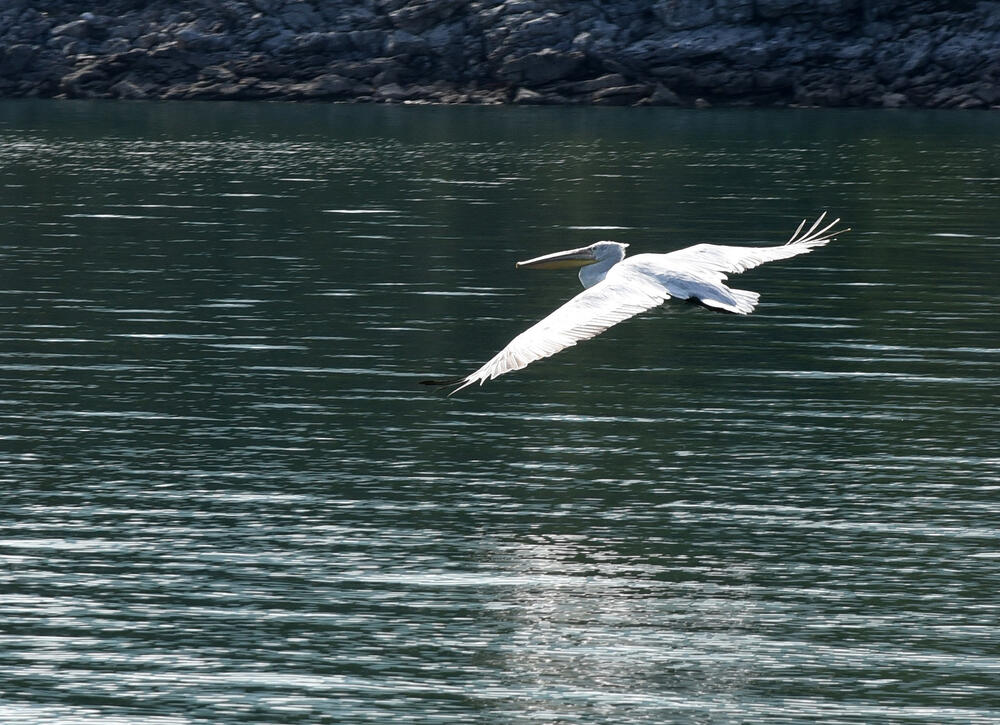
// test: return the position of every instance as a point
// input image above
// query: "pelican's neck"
(608, 255)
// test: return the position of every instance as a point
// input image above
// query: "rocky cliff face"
(928, 53)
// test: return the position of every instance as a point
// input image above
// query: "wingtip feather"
(815, 236)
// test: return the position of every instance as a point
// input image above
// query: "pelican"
(616, 289)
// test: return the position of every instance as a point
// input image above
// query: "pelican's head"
(595, 261)
(573, 258)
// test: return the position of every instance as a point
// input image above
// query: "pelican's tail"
(745, 300)
(726, 299)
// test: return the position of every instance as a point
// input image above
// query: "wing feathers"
(733, 260)
(619, 297)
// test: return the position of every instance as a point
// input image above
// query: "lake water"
(226, 498)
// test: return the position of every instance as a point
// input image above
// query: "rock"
(128, 90)
(79, 29)
(401, 42)
(989, 93)
(198, 42)
(774, 80)
(916, 57)
(663, 96)
(946, 97)
(128, 31)
(528, 97)
(440, 38)
(217, 73)
(540, 67)
(391, 92)
(82, 82)
(279, 43)
(368, 42)
(148, 40)
(325, 87)
(683, 14)
(600, 37)
(620, 95)
(114, 46)
(14, 59)
(894, 100)
(551, 30)
(608, 80)
(970, 102)
(692, 46)
(31, 26)
(322, 43)
(300, 16)
(422, 15)
(675, 76)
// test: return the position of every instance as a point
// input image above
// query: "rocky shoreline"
(832, 53)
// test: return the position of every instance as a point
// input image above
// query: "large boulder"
(687, 14)
(15, 59)
(418, 16)
(543, 66)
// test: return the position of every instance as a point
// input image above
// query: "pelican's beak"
(570, 259)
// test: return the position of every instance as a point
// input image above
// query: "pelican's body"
(618, 288)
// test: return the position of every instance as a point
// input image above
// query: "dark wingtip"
(447, 387)
(442, 383)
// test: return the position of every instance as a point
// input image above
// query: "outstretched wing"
(624, 293)
(709, 258)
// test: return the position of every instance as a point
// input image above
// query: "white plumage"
(619, 288)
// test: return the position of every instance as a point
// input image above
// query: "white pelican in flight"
(619, 288)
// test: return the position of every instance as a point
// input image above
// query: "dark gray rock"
(970, 102)
(393, 92)
(85, 82)
(684, 14)
(368, 42)
(693, 46)
(300, 16)
(113, 46)
(663, 96)
(988, 92)
(281, 42)
(543, 66)
(895, 100)
(528, 97)
(915, 56)
(148, 40)
(400, 42)
(609, 80)
(128, 90)
(199, 42)
(775, 81)
(422, 15)
(79, 29)
(447, 35)
(15, 59)
(530, 32)
(620, 95)
(332, 43)
(958, 53)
